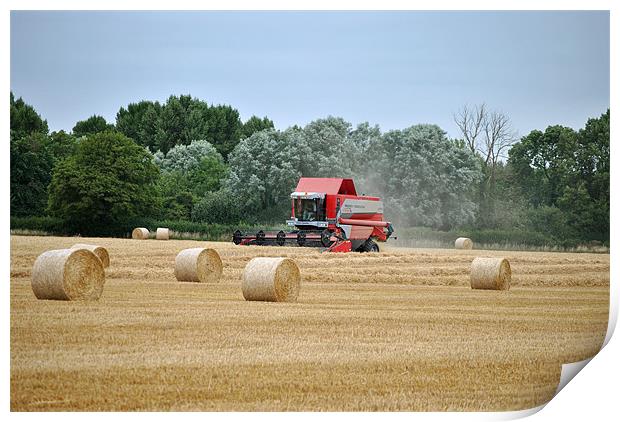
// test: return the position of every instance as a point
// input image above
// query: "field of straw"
(397, 330)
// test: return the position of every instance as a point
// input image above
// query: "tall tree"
(542, 162)
(425, 178)
(586, 198)
(108, 180)
(362, 138)
(24, 119)
(197, 122)
(179, 121)
(593, 157)
(498, 137)
(171, 125)
(471, 122)
(328, 149)
(31, 159)
(567, 170)
(196, 168)
(31, 166)
(265, 167)
(488, 133)
(255, 124)
(60, 145)
(224, 130)
(140, 122)
(94, 124)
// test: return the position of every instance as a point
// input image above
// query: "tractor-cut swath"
(328, 213)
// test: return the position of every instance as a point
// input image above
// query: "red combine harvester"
(328, 213)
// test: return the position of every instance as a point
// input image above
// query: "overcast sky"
(394, 69)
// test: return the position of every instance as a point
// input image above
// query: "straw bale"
(463, 243)
(490, 273)
(99, 251)
(271, 279)
(68, 274)
(140, 233)
(162, 233)
(200, 265)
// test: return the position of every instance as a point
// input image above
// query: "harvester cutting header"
(328, 213)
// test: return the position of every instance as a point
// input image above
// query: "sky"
(394, 69)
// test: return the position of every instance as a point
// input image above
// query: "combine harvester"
(328, 213)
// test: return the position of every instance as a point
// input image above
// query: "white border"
(310, 5)
(593, 393)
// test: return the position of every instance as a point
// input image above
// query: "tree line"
(188, 160)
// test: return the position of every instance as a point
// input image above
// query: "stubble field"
(397, 330)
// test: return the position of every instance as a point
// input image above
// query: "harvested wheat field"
(397, 330)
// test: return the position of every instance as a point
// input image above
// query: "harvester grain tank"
(328, 213)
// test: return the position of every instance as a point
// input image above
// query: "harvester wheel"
(260, 237)
(237, 237)
(301, 238)
(369, 246)
(281, 238)
(325, 238)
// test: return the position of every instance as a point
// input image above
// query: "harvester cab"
(328, 213)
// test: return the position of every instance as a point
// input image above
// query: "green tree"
(107, 181)
(31, 159)
(31, 166)
(24, 119)
(543, 161)
(362, 137)
(510, 207)
(207, 176)
(328, 148)
(179, 121)
(553, 223)
(171, 125)
(177, 200)
(184, 119)
(90, 126)
(224, 129)
(220, 207)
(488, 134)
(593, 158)
(586, 198)
(189, 172)
(264, 169)
(588, 217)
(185, 157)
(196, 121)
(60, 145)
(129, 120)
(255, 124)
(569, 171)
(140, 122)
(198, 163)
(425, 178)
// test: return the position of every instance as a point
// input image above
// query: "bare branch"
(470, 122)
(498, 136)
(488, 133)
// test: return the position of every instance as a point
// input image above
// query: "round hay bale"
(463, 243)
(490, 273)
(68, 274)
(140, 233)
(200, 265)
(271, 279)
(162, 233)
(99, 251)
